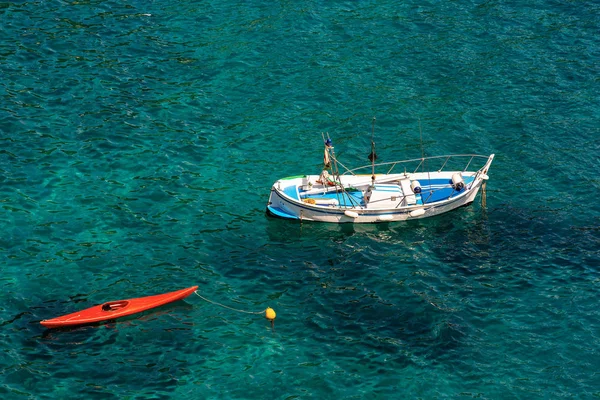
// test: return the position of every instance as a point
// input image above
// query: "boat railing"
(467, 159)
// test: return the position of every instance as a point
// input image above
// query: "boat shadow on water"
(281, 230)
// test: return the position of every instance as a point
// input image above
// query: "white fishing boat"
(380, 192)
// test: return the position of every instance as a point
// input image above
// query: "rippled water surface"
(138, 144)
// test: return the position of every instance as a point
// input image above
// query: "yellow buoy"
(270, 314)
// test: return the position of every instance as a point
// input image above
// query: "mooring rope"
(269, 312)
(234, 309)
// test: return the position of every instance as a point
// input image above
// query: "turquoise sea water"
(138, 144)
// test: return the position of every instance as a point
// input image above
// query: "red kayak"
(116, 309)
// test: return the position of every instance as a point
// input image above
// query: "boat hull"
(117, 309)
(389, 198)
(284, 208)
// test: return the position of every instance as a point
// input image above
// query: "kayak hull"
(116, 309)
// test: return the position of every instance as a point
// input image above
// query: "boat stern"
(283, 193)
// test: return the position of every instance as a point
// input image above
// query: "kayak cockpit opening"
(115, 305)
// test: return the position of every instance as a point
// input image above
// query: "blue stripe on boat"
(442, 189)
(280, 212)
(438, 194)
(291, 191)
(345, 199)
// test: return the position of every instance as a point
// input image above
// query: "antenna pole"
(421, 135)
(373, 155)
(424, 162)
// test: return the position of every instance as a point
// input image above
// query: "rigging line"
(346, 168)
(335, 171)
(335, 174)
(234, 309)
(341, 191)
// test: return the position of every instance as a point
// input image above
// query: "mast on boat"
(328, 156)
